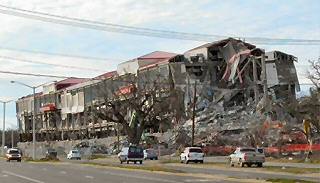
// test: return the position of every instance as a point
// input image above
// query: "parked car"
(248, 156)
(13, 154)
(74, 154)
(132, 153)
(192, 154)
(150, 154)
(51, 153)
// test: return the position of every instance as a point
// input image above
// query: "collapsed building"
(227, 84)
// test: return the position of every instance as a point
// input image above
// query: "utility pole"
(194, 112)
(255, 79)
(4, 124)
(264, 81)
(12, 141)
(118, 138)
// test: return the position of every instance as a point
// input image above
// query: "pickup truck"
(248, 156)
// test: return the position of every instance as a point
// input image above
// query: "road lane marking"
(89, 177)
(44, 169)
(23, 177)
(141, 177)
(63, 172)
(202, 180)
(3, 175)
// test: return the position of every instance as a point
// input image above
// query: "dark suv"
(13, 154)
(132, 153)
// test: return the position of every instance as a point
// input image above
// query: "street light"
(4, 123)
(34, 115)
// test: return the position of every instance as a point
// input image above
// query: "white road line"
(89, 177)
(23, 177)
(44, 169)
(63, 172)
(141, 177)
(202, 180)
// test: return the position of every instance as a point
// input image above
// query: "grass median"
(296, 160)
(283, 180)
(137, 167)
(293, 170)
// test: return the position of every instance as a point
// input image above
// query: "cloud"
(272, 19)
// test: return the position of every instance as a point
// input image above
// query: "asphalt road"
(32, 172)
(241, 173)
(225, 170)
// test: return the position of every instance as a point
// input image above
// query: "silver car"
(74, 154)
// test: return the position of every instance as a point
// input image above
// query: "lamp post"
(4, 124)
(34, 115)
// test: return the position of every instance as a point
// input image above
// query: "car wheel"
(135, 162)
(241, 163)
(151, 158)
(201, 161)
(181, 161)
(259, 165)
(231, 163)
(127, 162)
(140, 162)
(249, 164)
(156, 158)
(185, 159)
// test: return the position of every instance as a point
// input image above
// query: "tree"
(139, 102)
(314, 73)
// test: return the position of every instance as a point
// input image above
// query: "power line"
(56, 65)
(143, 31)
(128, 82)
(31, 74)
(62, 55)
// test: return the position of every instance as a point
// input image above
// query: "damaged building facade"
(215, 80)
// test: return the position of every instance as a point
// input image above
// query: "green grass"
(96, 157)
(284, 180)
(284, 160)
(147, 168)
(204, 163)
(293, 170)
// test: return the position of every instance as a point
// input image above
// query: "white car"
(193, 154)
(248, 156)
(74, 154)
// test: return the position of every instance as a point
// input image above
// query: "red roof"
(106, 75)
(154, 63)
(158, 55)
(62, 85)
(71, 81)
(154, 55)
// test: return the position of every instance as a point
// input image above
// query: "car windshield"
(14, 152)
(150, 151)
(74, 152)
(196, 150)
(248, 150)
(135, 149)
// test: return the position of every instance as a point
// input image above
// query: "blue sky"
(285, 19)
